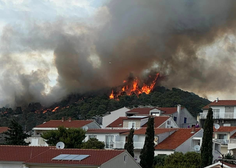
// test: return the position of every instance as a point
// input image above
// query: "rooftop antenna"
(60, 145)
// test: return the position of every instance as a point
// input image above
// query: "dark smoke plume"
(189, 41)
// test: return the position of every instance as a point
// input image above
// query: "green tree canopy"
(93, 143)
(206, 149)
(72, 137)
(147, 153)
(15, 134)
(129, 145)
(180, 160)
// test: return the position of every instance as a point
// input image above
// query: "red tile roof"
(142, 131)
(66, 123)
(41, 155)
(158, 120)
(3, 129)
(20, 153)
(221, 103)
(225, 129)
(106, 131)
(140, 110)
(96, 157)
(176, 139)
(118, 122)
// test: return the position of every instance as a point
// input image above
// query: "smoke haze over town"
(50, 49)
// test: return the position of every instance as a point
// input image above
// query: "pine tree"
(129, 145)
(206, 149)
(147, 153)
(15, 134)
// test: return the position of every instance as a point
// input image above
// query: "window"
(132, 124)
(229, 109)
(175, 118)
(92, 136)
(185, 120)
(109, 141)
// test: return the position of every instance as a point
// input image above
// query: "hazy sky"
(51, 48)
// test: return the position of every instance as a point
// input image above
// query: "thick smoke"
(190, 42)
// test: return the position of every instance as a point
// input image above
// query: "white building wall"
(11, 165)
(163, 152)
(106, 120)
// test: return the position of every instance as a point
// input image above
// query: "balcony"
(232, 144)
(138, 145)
(229, 115)
(204, 115)
(216, 115)
(222, 141)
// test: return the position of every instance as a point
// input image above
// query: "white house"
(44, 157)
(180, 115)
(113, 115)
(137, 122)
(224, 112)
(37, 140)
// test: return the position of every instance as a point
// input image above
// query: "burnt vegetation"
(93, 105)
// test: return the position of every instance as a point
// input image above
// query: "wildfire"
(134, 87)
(55, 109)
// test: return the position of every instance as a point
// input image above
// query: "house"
(223, 135)
(180, 115)
(224, 112)
(219, 164)
(35, 157)
(137, 122)
(37, 140)
(182, 140)
(112, 138)
(2, 136)
(113, 115)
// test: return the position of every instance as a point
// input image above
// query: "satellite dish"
(85, 128)
(217, 126)
(196, 148)
(60, 145)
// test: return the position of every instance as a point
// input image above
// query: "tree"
(72, 137)
(147, 153)
(180, 160)
(15, 134)
(206, 149)
(129, 145)
(93, 143)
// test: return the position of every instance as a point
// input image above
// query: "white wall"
(163, 152)
(106, 120)
(11, 165)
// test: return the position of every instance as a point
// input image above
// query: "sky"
(52, 48)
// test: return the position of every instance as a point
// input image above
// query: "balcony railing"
(222, 141)
(227, 115)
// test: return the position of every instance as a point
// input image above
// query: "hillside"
(90, 105)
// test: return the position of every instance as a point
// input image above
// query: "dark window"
(175, 118)
(185, 120)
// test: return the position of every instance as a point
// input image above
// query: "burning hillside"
(135, 86)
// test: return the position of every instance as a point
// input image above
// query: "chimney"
(62, 119)
(178, 115)
(217, 99)
(193, 129)
(69, 119)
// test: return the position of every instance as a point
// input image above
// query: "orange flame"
(55, 109)
(134, 88)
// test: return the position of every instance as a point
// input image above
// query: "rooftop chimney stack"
(62, 119)
(217, 99)
(178, 115)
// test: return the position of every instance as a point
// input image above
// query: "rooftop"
(3, 129)
(221, 103)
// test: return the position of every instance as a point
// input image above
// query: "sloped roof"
(118, 122)
(106, 131)
(141, 110)
(66, 123)
(142, 131)
(176, 139)
(96, 157)
(225, 129)
(3, 129)
(20, 153)
(158, 120)
(221, 103)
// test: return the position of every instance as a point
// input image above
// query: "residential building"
(44, 157)
(180, 115)
(2, 136)
(37, 140)
(137, 122)
(113, 115)
(224, 112)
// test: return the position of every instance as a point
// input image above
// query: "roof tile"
(66, 123)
